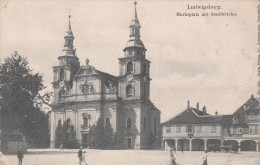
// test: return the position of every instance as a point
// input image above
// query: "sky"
(210, 60)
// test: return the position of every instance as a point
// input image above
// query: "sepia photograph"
(135, 82)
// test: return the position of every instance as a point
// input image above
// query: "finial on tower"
(87, 62)
(69, 23)
(135, 11)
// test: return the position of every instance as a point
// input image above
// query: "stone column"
(239, 149)
(176, 144)
(205, 145)
(165, 145)
(52, 131)
(221, 143)
(257, 146)
(190, 145)
(137, 142)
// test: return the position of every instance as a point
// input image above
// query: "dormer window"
(235, 118)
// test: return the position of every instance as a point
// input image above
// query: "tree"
(21, 101)
(92, 136)
(66, 136)
(108, 134)
(100, 136)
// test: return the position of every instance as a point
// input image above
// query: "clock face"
(129, 77)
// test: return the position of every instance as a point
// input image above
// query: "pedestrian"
(204, 156)
(182, 148)
(80, 155)
(20, 157)
(61, 147)
(83, 158)
(174, 148)
(173, 162)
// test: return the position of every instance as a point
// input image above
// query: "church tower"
(134, 78)
(67, 68)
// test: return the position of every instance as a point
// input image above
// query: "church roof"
(251, 106)
(90, 70)
(153, 107)
(135, 43)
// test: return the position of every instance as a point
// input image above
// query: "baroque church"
(82, 94)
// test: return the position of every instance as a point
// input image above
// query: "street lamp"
(189, 131)
(190, 135)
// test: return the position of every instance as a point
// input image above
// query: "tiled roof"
(194, 116)
(251, 106)
(227, 119)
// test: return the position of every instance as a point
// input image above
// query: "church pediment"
(87, 70)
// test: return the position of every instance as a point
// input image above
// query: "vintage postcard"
(130, 82)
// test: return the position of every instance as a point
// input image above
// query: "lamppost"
(190, 135)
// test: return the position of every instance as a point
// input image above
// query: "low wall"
(14, 146)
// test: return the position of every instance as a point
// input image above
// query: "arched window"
(85, 121)
(136, 31)
(129, 91)
(68, 121)
(59, 123)
(130, 67)
(155, 125)
(128, 123)
(107, 122)
(62, 75)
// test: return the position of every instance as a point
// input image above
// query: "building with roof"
(82, 94)
(242, 128)
(196, 130)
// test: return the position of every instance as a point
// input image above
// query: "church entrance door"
(128, 143)
(85, 140)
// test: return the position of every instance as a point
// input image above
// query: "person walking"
(174, 148)
(20, 157)
(80, 155)
(61, 147)
(205, 159)
(83, 158)
(173, 162)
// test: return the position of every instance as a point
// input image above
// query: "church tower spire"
(134, 81)
(67, 68)
(135, 27)
(69, 41)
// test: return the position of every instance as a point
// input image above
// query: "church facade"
(82, 94)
